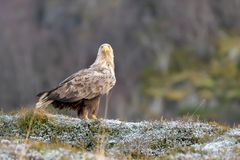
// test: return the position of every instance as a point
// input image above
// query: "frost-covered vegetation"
(61, 137)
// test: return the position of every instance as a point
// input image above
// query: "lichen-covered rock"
(58, 136)
(18, 150)
(226, 146)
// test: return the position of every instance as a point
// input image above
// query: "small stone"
(6, 142)
(20, 149)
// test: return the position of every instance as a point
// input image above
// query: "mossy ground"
(44, 134)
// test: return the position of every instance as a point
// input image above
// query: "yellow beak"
(105, 50)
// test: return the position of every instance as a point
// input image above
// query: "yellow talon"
(94, 117)
(86, 118)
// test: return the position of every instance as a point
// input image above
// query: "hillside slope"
(61, 137)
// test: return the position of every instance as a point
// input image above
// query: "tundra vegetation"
(40, 135)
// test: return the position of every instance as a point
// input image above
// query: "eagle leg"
(95, 107)
(83, 112)
(92, 105)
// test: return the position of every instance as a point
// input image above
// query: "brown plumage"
(82, 90)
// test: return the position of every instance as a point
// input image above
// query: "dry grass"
(31, 121)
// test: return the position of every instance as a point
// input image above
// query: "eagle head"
(106, 51)
(105, 57)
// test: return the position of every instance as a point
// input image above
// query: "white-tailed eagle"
(82, 90)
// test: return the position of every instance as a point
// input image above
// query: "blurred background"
(173, 58)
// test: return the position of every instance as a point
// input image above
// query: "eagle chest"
(105, 83)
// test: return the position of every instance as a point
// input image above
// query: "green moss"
(40, 146)
(64, 158)
(31, 118)
(237, 137)
(7, 128)
(146, 140)
(37, 124)
(182, 150)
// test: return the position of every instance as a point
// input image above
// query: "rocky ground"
(61, 137)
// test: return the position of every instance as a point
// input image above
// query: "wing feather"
(85, 84)
(69, 78)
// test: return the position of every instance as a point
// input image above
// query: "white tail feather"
(43, 102)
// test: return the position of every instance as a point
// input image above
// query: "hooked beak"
(105, 50)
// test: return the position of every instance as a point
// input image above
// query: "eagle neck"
(104, 64)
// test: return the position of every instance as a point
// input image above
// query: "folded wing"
(85, 84)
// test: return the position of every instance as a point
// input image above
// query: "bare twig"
(106, 105)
